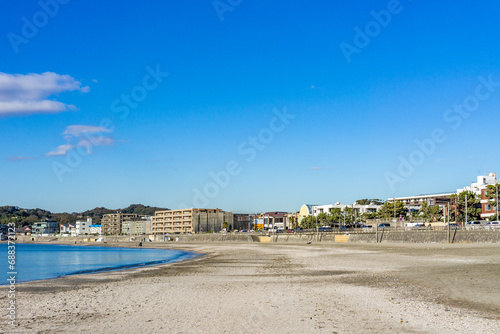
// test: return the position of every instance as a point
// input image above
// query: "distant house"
(68, 228)
(275, 220)
(95, 229)
(305, 210)
(45, 227)
(23, 230)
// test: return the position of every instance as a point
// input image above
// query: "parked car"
(492, 225)
(384, 225)
(290, 231)
(475, 224)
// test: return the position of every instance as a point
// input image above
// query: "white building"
(83, 226)
(414, 203)
(95, 229)
(482, 182)
(358, 208)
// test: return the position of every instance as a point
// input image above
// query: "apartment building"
(141, 225)
(242, 221)
(191, 220)
(481, 183)
(111, 223)
(414, 203)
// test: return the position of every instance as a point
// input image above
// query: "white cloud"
(321, 168)
(90, 142)
(27, 94)
(77, 130)
(87, 136)
(61, 150)
(21, 158)
(30, 107)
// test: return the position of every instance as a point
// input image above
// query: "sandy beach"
(277, 288)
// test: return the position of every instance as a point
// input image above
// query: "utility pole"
(465, 209)
(456, 209)
(394, 210)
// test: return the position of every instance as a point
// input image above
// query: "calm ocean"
(37, 262)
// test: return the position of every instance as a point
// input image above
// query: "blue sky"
(327, 125)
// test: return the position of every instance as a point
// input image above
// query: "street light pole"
(449, 232)
(496, 185)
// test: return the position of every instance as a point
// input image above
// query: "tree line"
(467, 208)
(22, 217)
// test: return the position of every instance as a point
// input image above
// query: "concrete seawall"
(457, 236)
(492, 236)
(481, 236)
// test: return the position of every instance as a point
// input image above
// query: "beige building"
(112, 222)
(190, 221)
(140, 225)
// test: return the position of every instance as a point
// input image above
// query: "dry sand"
(278, 288)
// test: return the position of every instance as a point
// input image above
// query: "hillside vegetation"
(22, 216)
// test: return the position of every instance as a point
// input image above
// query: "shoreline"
(248, 287)
(108, 269)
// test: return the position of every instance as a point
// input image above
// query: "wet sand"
(277, 288)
